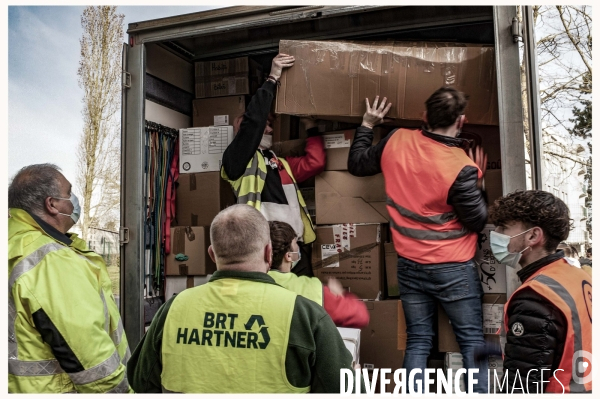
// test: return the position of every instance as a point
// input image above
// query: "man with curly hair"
(548, 319)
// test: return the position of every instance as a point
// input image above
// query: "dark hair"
(589, 251)
(282, 235)
(31, 186)
(535, 208)
(444, 107)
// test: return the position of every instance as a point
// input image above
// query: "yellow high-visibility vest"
(309, 287)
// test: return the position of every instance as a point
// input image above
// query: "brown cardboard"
(193, 242)
(447, 338)
(285, 127)
(493, 185)
(391, 269)
(206, 109)
(336, 77)
(383, 341)
(200, 196)
(355, 259)
(227, 77)
(343, 198)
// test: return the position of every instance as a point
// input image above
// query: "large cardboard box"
(391, 269)
(351, 337)
(200, 196)
(493, 312)
(218, 111)
(353, 254)
(192, 242)
(343, 198)
(383, 341)
(201, 148)
(227, 77)
(336, 77)
(491, 272)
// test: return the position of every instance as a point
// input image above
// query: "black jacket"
(542, 335)
(464, 196)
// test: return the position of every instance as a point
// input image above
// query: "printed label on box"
(328, 250)
(221, 120)
(335, 141)
(492, 317)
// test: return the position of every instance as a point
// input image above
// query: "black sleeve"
(144, 367)
(468, 201)
(365, 159)
(246, 141)
(540, 343)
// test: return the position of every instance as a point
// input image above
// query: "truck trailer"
(158, 86)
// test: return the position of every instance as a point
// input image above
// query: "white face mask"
(76, 207)
(499, 245)
(267, 141)
(295, 262)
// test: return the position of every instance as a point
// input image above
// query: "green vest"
(309, 287)
(228, 336)
(70, 284)
(249, 187)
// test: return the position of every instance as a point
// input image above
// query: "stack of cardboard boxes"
(331, 81)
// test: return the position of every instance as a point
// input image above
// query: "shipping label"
(328, 250)
(335, 141)
(221, 120)
(492, 317)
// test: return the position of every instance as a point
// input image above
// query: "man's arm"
(365, 159)
(246, 141)
(313, 162)
(145, 367)
(540, 344)
(345, 310)
(467, 200)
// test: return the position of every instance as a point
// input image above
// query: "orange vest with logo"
(418, 173)
(570, 290)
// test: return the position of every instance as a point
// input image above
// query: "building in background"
(564, 176)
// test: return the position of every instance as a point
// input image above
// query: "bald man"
(240, 332)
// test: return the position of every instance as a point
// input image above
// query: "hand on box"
(335, 287)
(279, 62)
(374, 115)
(480, 159)
(308, 122)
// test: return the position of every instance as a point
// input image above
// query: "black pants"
(304, 267)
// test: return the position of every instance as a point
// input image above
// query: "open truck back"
(159, 86)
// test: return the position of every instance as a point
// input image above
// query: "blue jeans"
(458, 288)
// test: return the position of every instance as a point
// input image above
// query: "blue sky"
(44, 107)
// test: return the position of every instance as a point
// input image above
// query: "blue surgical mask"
(295, 262)
(499, 246)
(76, 207)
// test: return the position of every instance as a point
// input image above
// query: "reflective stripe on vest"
(425, 228)
(235, 337)
(248, 189)
(309, 287)
(564, 296)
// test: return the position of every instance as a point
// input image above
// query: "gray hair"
(31, 186)
(238, 233)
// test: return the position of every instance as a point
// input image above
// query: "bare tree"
(98, 153)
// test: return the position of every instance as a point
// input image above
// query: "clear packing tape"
(334, 78)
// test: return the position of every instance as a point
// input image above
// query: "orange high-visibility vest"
(570, 290)
(418, 173)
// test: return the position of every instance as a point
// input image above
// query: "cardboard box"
(200, 196)
(285, 127)
(227, 77)
(383, 341)
(351, 337)
(353, 254)
(343, 198)
(493, 313)
(218, 111)
(493, 185)
(391, 269)
(192, 242)
(492, 273)
(336, 77)
(175, 284)
(201, 148)
(337, 147)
